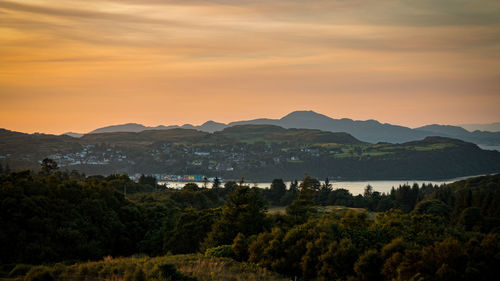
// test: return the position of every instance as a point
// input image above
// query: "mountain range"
(492, 127)
(371, 131)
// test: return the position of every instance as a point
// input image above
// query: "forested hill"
(256, 152)
(310, 231)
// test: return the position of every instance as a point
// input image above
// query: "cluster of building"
(88, 156)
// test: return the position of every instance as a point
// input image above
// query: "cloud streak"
(331, 51)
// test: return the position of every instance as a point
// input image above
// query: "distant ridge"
(369, 130)
(129, 127)
(492, 127)
(74, 135)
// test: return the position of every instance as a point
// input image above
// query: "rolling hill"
(368, 131)
(257, 152)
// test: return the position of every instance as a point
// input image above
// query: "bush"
(39, 273)
(224, 251)
(20, 269)
(169, 272)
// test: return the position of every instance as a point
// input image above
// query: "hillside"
(65, 226)
(146, 137)
(271, 133)
(257, 152)
(492, 127)
(192, 267)
(368, 131)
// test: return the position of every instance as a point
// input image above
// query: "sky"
(79, 65)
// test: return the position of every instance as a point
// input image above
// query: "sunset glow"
(79, 65)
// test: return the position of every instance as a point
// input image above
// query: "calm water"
(489, 147)
(355, 187)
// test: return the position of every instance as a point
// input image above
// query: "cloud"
(399, 12)
(81, 14)
(248, 50)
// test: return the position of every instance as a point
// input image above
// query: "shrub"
(20, 269)
(39, 273)
(224, 251)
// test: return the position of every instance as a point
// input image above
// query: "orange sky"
(69, 65)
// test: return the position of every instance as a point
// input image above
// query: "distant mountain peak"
(212, 126)
(449, 130)
(304, 114)
(128, 127)
(211, 122)
(368, 130)
(189, 126)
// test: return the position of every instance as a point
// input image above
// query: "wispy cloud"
(327, 49)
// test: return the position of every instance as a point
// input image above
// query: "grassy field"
(377, 150)
(325, 210)
(174, 267)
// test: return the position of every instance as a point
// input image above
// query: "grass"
(174, 267)
(343, 209)
(377, 150)
(326, 210)
(210, 268)
(276, 210)
(435, 146)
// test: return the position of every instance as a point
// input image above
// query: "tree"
(240, 247)
(243, 212)
(190, 230)
(205, 182)
(277, 190)
(300, 210)
(216, 183)
(1, 169)
(290, 194)
(48, 166)
(471, 218)
(309, 184)
(368, 192)
(293, 186)
(327, 184)
(406, 197)
(149, 180)
(324, 193)
(191, 186)
(433, 207)
(368, 266)
(336, 263)
(302, 207)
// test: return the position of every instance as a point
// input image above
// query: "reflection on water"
(355, 187)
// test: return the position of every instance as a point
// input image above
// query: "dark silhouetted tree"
(48, 166)
(216, 183)
(277, 191)
(191, 186)
(149, 180)
(243, 212)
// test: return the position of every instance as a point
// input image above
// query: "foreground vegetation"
(61, 220)
(178, 267)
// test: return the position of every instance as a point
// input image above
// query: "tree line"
(448, 232)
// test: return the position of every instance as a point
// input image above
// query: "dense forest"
(54, 218)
